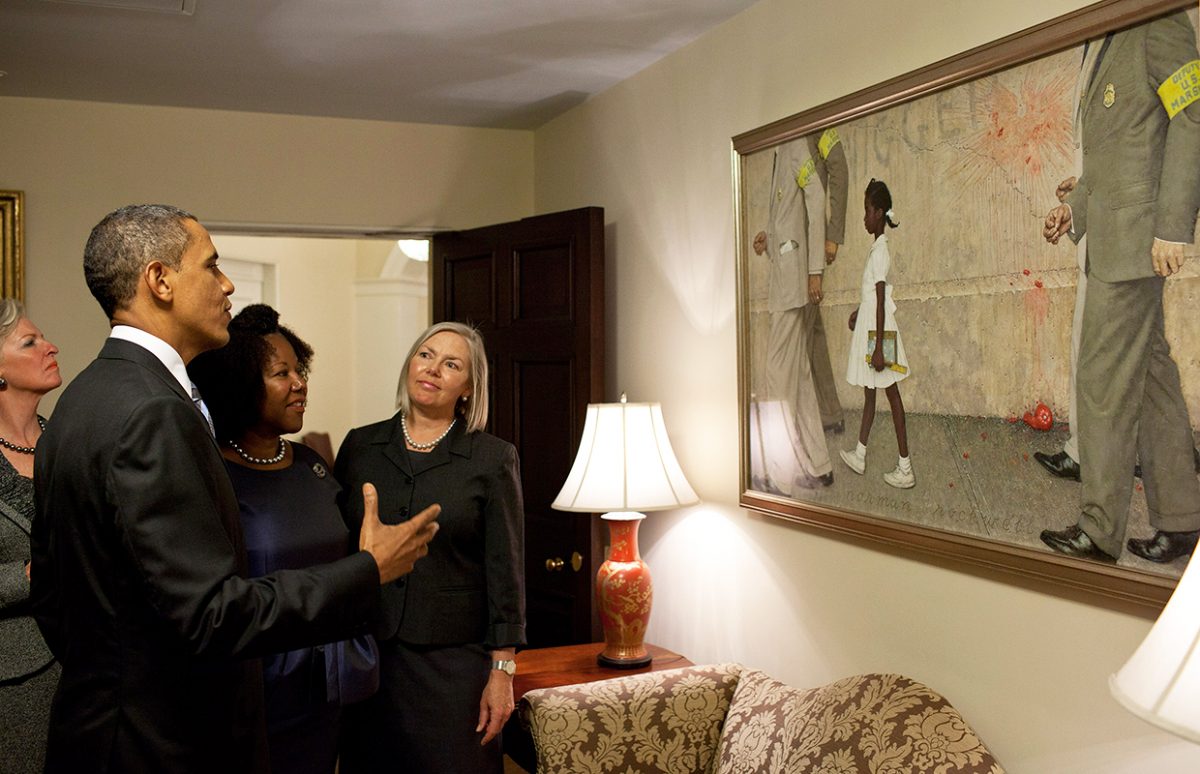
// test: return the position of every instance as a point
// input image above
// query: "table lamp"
(1161, 681)
(624, 466)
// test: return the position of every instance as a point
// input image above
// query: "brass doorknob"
(576, 561)
(555, 564)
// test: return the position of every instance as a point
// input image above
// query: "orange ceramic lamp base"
(623, 595)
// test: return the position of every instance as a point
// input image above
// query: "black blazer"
(139, 583)
(470, 589)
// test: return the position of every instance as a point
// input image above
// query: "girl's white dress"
(858, 370)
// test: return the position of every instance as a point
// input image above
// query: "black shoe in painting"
(1060, 464)
(1164, 546)
(1073, 541)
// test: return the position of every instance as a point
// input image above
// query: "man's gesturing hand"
(395, 547)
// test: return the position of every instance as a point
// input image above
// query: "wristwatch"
(508, 667)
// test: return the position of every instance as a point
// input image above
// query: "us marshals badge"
(319, 470)
(1110, 95)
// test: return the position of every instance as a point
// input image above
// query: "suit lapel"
(412, 464)
(119, 349)
(1104, 61)
(392, 439)
(8, 512)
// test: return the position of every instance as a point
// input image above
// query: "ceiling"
(507, 64)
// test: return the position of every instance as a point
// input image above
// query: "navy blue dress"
(291, 520)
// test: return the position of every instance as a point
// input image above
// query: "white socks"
(902, 477)
(855, 460)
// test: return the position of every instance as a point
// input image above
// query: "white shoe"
(854, 462)
(900, 479)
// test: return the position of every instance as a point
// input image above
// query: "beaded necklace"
(261, 460)
(423, 446)
(28, 449)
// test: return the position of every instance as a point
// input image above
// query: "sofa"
(729, 719)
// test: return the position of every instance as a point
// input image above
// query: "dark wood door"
(535, 289)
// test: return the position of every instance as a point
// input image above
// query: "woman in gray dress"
(28, 673)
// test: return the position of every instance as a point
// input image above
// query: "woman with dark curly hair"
(256, 388)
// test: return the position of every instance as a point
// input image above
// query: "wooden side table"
(572, 664)
(567, 665)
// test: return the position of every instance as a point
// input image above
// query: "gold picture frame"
(12, 245)
(1041, 59)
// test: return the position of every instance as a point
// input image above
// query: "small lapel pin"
(1110, 95)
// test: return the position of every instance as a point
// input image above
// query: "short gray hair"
(474, 411)
(11, 312)
(125, 242)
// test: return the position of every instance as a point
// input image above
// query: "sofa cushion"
(654, 722)
(870, 723)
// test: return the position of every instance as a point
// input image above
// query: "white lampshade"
(1161, 682)
(624, 463)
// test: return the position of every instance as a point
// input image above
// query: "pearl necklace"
(261, 460)
(423, 446)
(26, 449)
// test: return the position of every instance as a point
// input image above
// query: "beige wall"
(76, 161)
(1028, 667)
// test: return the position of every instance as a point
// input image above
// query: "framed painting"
(12, 257)
(975, 294)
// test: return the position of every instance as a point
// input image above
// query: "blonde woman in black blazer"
(448, 631)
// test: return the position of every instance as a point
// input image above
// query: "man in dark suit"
(1136, 201)
(138, 561)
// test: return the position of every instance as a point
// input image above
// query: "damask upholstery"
(727, 719)
(653, 722)
(869, 723)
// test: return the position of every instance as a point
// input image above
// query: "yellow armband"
(828, 140)
(1181, 89)
(805, 173)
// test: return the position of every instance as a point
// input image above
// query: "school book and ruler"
(889, 351)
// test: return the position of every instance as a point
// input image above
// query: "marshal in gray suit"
(1137, 201)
